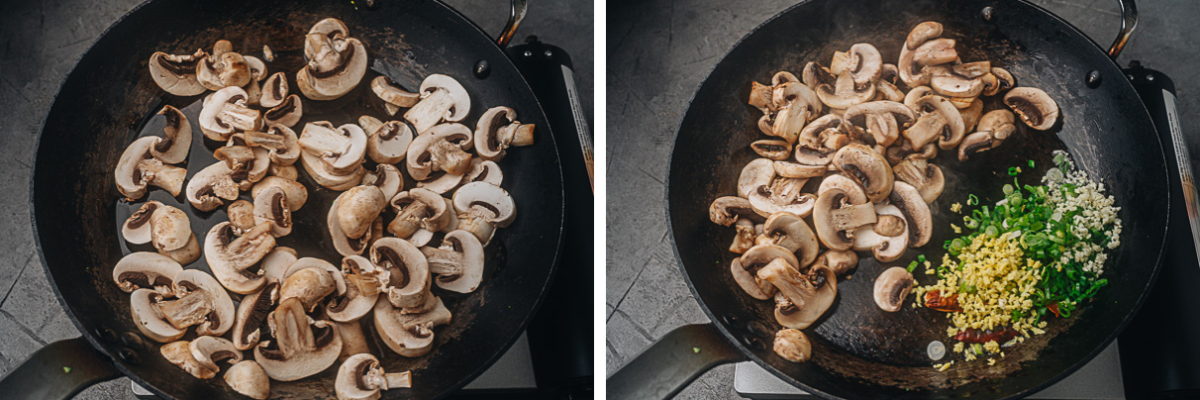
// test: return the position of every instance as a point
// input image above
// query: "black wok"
(109, 99)
(860, 351)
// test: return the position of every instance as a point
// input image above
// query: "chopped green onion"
(911, 266)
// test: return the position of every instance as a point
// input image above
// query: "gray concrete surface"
(659, 51)
(40, 41)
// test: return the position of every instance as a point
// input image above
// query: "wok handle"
(1129, 17)
(671, 363)
(516, 14)
(58, 371)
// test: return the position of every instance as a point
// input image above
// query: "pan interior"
(860, 351)
(109, 100)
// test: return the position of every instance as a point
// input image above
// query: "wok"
(109, 99)
(859, 351)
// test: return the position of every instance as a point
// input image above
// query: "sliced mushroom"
(211, 187)
(922, 33)
(440, 148)
(417, 209)
(897, 154)
(223, 68)
(138, 167)
(486, 203)
(274, 90)
(726, 210)
(281, 144)
(940, 120)
(195, 288)
(319, 172)
(844, 93)
(919, 173)
(484, 171)
(180, 354)
(389, 143)
(301, 348)
(810, 294)
(146, 270)
(946, 81)
(271, 208)
(341, 148)
(173, 146)
(892, 287)
(252, 314)
(994, 127)
(792, 345)
(409, 335)
(176, 73)
(336, 62)
(497, 130)
(916, 213)
(184, 255)
(867, 168)
(249, 379)
(790, 232)
(864, 64)
(797, 105)
(1035, 107)
(361, 378)
(854, 193)
(782, 195)
(357, 209)
(275, 264)
(210, 350)
(227, 112)
(241, 215)
(887, 238)
(170, 228)
(150, 320)
(309, 282)
(286, 114)
(247, 167)
(231, 257)
(442, 97)
(385, 177)
(840, 261)
(458, 262)
(814, 74)
(344, 245)
(1004, 79)
(353, 304)
(910, 99)
(393, 95)
(879, 120)
(757, 173)
(409, 277)
(835, 218)
(972, 114)
(258, 72)
(295, 192)
(777, 150)
(746, 267)
(136, 229)
(353, 340)
(820, 139)
(743, 238)
(793, 170)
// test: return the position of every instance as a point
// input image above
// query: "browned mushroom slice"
(835, 218)
(361, 378)
(248, 378)
(138, 168)
(916, 213)
(301, 347)
(810, 294)
(231, 256)
(146, 270)
(919, 173)
(790, 232)
(251, 322)
(777, 150)
(867, 168)
(891, 288)
(879, 122)
(844, 93)
(792, 345)
(940, 121)
(1035, 107)
(840, 261)
(176, 73)
(887, 238)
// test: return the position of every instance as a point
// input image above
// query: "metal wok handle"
(516, 14)
(1129, 17)
(58, 371)
(672, 363)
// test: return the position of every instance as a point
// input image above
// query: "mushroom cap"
(286, 114)
(834, 216)
(792, 345)
(241, 215)
(136, 229)
(146, 270)
(335, 65)
(726, 210)
(310, 280)
(458, 262)
(389, 143)
(180, 354)
(892, 287)
(462, 101)
(867, 168)
(840, 261)
(410, 278)
(809, 294)
(221, 319)
(271, 207)
(176, 73)
(344, 245)
(409, 335)
(916, 213)
(484, 171)
(757, 173)
(926, 177)
(854, 192)
(252, 314)
(142, 306)
(887, 238)
(211, 187)
(274, 90)
(485, 200)
(249, 379)
(131, 178)
(295, 192)
(170, 228)
(300, 348)
(357, 209)
(210, 350)
(392, 94)
(173, 146)
(1035, 107)
(787, 230)
(230, 256)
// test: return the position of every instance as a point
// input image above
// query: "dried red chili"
(973, 335)
(1053, 307)
(934, 300)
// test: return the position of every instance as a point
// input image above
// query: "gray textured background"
(658, 53)
(39, 42)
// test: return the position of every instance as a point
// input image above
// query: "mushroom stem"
(191, 309)
(430, 110)
(394, 380)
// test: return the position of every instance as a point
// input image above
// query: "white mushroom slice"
(792, 345)
(180, 354)
(176, 141)
(287, 113)
(409, 335)
(146, 270)
(442, 148)
(252, 314)
(797, 105)
(211, 187)
(809, 294)
(940, 120)
(388, 144)
(170, 228)
(184, 255)
(361, 378)
(880, 120)
(844, 93)
(223, 68)
(241, 215)
(854, 193)
(353, 340)
(309, 280)
(149, 320)
(440, 182)
(230, 256)
(341, 148)
(392, 94)
(757, 173)
(357, 209)
(283, 171)
(820, 139)
(782, 195)
(726, 210)
(385, 177)
(864, 63)
(137, 168)
(354, 303)
(210, 350)
(320, 172)
(195, 287)
(295, 192)
(887, 238)
(840, 261)
(275, 264)
(485, 200)
(409, 277)
(421, 237)
(777, 150)
(247, 164)
(271, 207)
(442, 97)
(418, 209)
(301, 348)
(274, 90)
(339, 282)
(458, 262)
(176, 73)
(336, 62)
(787, 230)
(835, 218)
(498, 129)
(279, 141)
(484, 171)
(136, 229)
(1035, 107)
(226, 112)
(867, 168)
(344, 245)
(916, 213)
(891, 288)
(926, 177)
(249, 379)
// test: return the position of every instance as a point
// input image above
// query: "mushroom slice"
(972, 114)
(458, 262)
(418, 209)
(357, 209)
(201, 301)
(756, 288)
(281, 144)
(484, 171)
(897, 154)
(210, 350)
(275, 264)
(252, 314)
(743, 239)
(792, 345)
(173, 147)
(341, 149)
(286, 114)
(840, 261)
(241, 215)
(409, 335)
(392, 94)
(309, 280)
(271, 207)
(170, 228)
(320, 172)
(793, 170)
(746, 267)
(864, 64)
(223, 68)
(442, 97)
(353, 340)
(757, 173)
(361, 378)
(176, 73)
(353, 304)
(440, 182)
(295, 193)
(485, 201)
(867, 168)
(835, 218)
(880, 120)
(149, 318)
(797, 105)
(301, 348)
(975, 143)
(819, 140)
(230, 256)
(211, 187)
(1035, 107)
(1004, 79)
(916, 213)
(336, 62)
(388, 144)
(180, 354)
(815, 75)
(947, 82)
(726, 210)
(790, 232)
(854, 193)
(385, 177)
(137, 168)
(344, 245)
(926, 177)
(226, 112)
(910, 99)
(994, 127)
(777, 150)
(408, 271)
(184, 255)
(887, 238)
(940, 120)
(274, 90)
(497, 130)
(844, 93)
(782, 195)
(249, 379)
(136, 229)
(442, 148)
(892, 287)
(810, 294)
(146, 270)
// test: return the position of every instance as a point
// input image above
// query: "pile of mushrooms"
(849, 169)
(264, 312)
